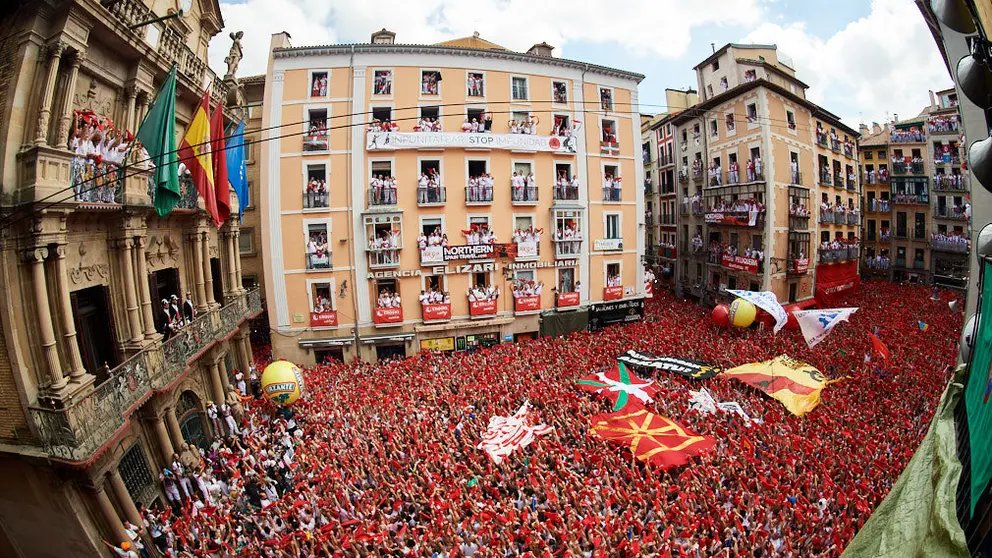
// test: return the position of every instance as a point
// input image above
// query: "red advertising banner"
(800, 266)
(737, 219)
(568, 299)
(649, 289)
(323, 319)
(436, 312)
(527, 303)
(387, 315)
(482, 307)
(741, 263)
(612, 293)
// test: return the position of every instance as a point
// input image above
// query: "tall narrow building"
(768, 188)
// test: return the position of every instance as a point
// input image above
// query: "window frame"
(392, 83)
(526, 99)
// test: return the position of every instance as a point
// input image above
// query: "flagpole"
(130, 147)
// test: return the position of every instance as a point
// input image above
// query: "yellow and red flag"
(194, 151)
(218, 154)
(796, 384)
(651, 438)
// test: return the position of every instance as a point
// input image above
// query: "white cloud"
(882, 63)
(656, 28)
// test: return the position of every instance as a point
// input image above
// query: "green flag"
(158, 134)
(977, 392)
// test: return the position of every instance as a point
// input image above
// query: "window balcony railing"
(797, 177)
(906, 136)
(798, 222)
(383, 257)
(526, 195)
(821, 139)
(432, 195)
(566, 193)
(612, 194)
(683, 177)
(835, 145)
(825, 179)
(567, 249)
(76, 432)
(885, 237)
(877, 264)
(900, 262)
(849, 149)
(827, 217)
(852, 184)
(953, 213)
(853, 217)
(950, 246)
(899, 168)
(941, 160)
(832, 255)
(697, 175)
(838, 179)
(918, 264)
(716, 180)
(96, 183)
(319, 260)
(879, 206)
(315, 199)
(478, 195)
(382, 196)
(917, 167)
(797, 266)
(950, 183)
(316, 141)
(911, 199)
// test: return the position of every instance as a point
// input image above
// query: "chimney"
(280, 40)
(713, 47)
(383, 37)
(895, 117)
(875, 128)
(863, 128)
(541, 49)
(933, 100)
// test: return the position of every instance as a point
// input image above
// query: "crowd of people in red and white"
(382, 126)
(429, 186)
(949, 182)
(880, 176)
(436, 238)
(434, 296)
(907, 136)
(798, 209)
(568, 239)
(943, 123)
(743, 205)
(952, 241)
(99, 148)
(524, 186)
(382, 189)
(480, 234)
(528, 126)
(428, 124)
(526, 287)
(382, 459)
(529, 234)
(478, 125)
(878, 262)
(480, 188)
(482, 293)
(389, 299)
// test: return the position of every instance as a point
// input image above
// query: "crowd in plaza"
(382, 459)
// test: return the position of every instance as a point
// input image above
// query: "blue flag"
(237, 173)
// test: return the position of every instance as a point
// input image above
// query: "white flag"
(702, 401)
(506, 434)
(816, 324)
(767, 301)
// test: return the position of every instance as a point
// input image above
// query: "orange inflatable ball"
(721, 315)
(282, 382)
(742, 313)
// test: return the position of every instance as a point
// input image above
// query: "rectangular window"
(609, 131)
(382, 114)
(475, 85)
(868, 156)
(382, 82)
(430, 82)
(246, 241)
(716, 65)
(315, 193)
(318, 84)
(790, 118)
(476, 115)
(432, 112)
(714, 131)
(606, 98)
(321, 297)
(518, 89)
(901, 224)
(318, 248)
(731, 125)
(134, 471)
(317, 136)
(752, 113)
(613, 225)
(613, 275)
(920, 226)
(559, 92)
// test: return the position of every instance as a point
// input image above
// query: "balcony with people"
(683, 177)
(910, 134)
(430, 185)
(318, 250)
(910, 191)
(612, 188)
(523, 188)
(749, 260)
(950, 182)
(382, 190)
(835, 144)
(435, 304)
(873, 176)
(317, 136)
(528, 242)
(799, 215)
(944, 125)
(384, 248)
(951, 212)
(797, 263)
(742, 212)
(479, 190)
(667, 250)
(482, 301)
(947, 154)
(431, 243)
(567, 240)
(839, 250)
(388, 310)
(821, 136)
(99, 150)
(848, 147)
(945, 242)
(878, 263)
(526, 296)
(697, 170)
(877, 205)
(825, 176)
(696, 247)
(715, 175)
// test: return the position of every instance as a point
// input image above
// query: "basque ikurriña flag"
(619, 385)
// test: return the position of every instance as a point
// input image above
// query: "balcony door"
(95, 330)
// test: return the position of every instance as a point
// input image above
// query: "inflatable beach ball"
(282, 382)
(742, 313)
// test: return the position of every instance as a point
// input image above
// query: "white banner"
(378, 141)
(767, 301)
(608, 244)
(702, 401)
(817, 324)
(527, 249)
(432, 255)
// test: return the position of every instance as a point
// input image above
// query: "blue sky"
(864, 60)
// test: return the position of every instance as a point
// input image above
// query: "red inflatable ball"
(721, 315)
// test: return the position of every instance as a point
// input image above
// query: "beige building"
(917, 197)
(347, 204)
(93, 399)
(761, 226)
(250, 243)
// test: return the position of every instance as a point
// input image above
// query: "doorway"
(330, 355)
(218, 278)
(392, 351)
(95, 330)
(190, 421)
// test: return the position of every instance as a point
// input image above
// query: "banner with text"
(527, 303)
(566, 299)
(482, 307)
(324, 319)
(689, 368)
(436, 312)
(385, 315)
(376, 141)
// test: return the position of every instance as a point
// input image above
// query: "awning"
(387, 338)
(326, 342)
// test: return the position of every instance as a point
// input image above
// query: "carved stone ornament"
(85, 275)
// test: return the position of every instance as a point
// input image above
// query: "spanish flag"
(796, 384)
(194, 151)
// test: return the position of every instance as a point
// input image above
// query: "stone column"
(225, 374)
(36, 258)
(237, 261)
(243, 346)
(164, 443)
(130, 293)
(65, 120)
(110, 516)
(130, 116)
(215, 383)
(144, 291)
(232, 270)
(201, 298)
(75, 362)
(174, 430)
(208, 277)
(123, 497)
(54, 52)
(143, 100)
